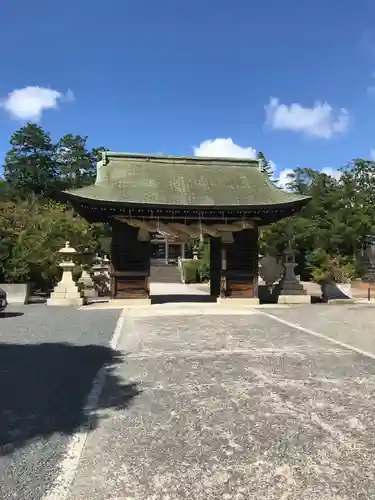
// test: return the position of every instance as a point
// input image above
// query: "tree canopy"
(35, 166)
(33, 224)
(337, 221)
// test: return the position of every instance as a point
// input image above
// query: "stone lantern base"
(66, 302)
(66, 294)
(294, 299)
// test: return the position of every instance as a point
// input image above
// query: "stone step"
(165, 273)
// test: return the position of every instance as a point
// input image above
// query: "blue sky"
(167, 76)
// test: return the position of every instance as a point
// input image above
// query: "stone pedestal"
(66, 292)
(294, 299)
(238, 302)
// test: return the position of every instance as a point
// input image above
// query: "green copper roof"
(134, 179)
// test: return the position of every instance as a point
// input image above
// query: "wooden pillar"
(242, 265)
(130, 260)
(166, 250)
(215, 266)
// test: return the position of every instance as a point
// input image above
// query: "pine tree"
(29, 167)
(267, 166)
(74, 163)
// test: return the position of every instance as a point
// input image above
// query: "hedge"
(190, 270)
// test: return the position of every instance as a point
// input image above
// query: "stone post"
(66, 292)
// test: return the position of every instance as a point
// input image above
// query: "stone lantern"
(195, 252)
(85, 282)
(291, 290)
(66, 292)
(107, 266)
(101, 276)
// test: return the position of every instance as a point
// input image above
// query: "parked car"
(3, 300)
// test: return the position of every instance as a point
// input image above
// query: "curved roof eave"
(298, 201)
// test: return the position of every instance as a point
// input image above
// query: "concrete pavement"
(236, 407)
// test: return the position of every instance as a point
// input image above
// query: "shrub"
(31, 233)
(334, 269)
(191, 270)
(204, 262)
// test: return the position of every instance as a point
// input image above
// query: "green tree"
(362, 173)
(96, 153)
(74, 163)
(5, 191)
(267, 167)
(29, 167)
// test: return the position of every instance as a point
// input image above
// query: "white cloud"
(272, 165)
(372, 154)
(226, 148)
(336, 174)
(283, 177)
(223, 148)
(29, 103)
(319, 121)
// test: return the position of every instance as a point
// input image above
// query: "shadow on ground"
(5, 315)
(164, 299)
(44, 388)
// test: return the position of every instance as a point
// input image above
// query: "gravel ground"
(238, 408)
(349, 323)
(48, 360)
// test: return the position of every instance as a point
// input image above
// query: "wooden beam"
(205, 229)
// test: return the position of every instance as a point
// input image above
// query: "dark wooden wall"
(130, 260)
(242, 265)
